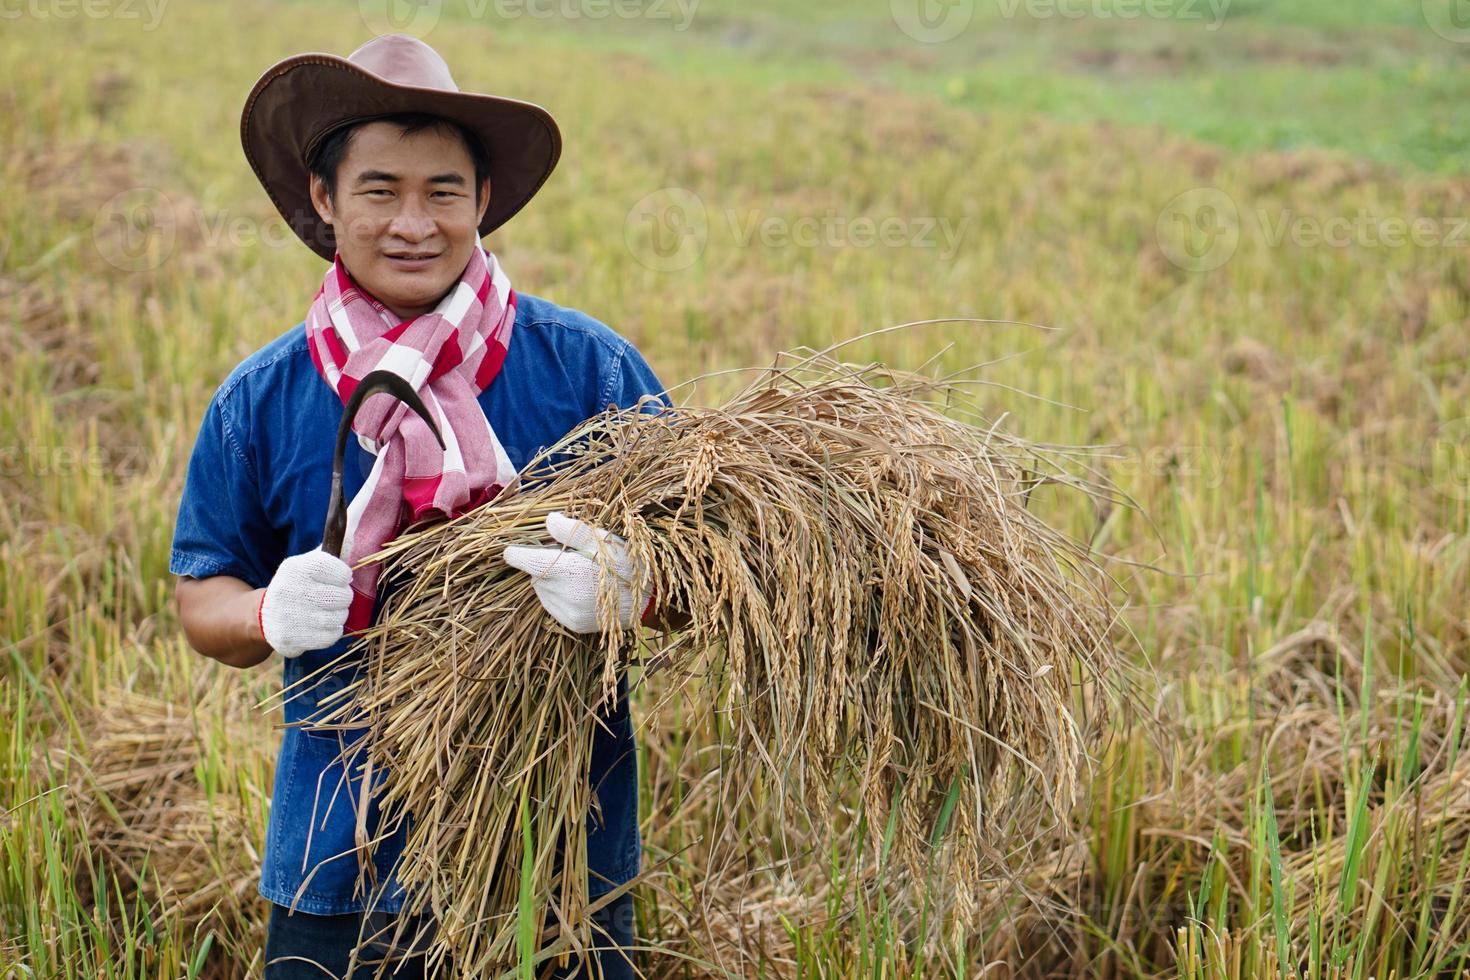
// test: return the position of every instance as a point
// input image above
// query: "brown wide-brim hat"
(300, 100)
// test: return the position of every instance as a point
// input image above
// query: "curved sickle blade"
(375, 381)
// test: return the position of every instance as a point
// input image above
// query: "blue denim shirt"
(256, 493)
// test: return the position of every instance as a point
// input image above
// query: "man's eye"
(379, 190)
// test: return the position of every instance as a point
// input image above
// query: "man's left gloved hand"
(568, 579)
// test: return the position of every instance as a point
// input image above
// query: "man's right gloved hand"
(305, 606)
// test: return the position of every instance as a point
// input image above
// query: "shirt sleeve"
(628, 378)
(222, 529)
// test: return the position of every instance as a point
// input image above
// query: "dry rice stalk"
(720, 901)
(1398, 761)
(866, 587)
(169, 822)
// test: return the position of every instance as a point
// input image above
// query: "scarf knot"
(448, 356)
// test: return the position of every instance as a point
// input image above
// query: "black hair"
(326, 156)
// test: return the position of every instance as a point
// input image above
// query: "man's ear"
(320, 199)
(484, 200)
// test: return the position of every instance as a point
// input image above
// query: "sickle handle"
(375, 381)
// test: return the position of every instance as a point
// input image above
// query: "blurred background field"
(1247, 225)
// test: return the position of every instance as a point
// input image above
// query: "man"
(384, 168)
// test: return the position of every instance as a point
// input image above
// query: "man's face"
(404, 214)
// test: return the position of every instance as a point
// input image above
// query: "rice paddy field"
(1229, 243)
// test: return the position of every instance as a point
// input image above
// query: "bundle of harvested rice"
(898, 640)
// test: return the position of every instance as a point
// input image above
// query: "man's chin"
(413, 292)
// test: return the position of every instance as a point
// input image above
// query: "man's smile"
(411, 260)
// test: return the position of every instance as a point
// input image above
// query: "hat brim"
(301, 99)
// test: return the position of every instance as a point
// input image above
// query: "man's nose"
(412, 223)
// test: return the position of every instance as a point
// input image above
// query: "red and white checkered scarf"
(448, 356)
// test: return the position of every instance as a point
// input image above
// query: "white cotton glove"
(305, 606)
(568, 579)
